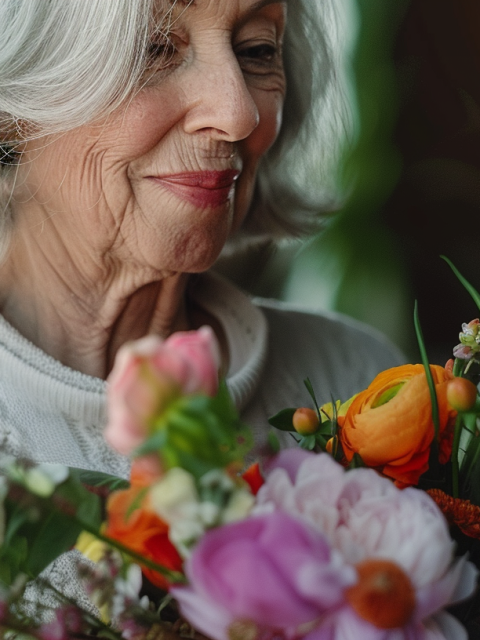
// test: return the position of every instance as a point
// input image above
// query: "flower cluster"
(326, 553)
(306, 550)
(304, 546)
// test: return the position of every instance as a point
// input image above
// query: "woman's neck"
(82, 314)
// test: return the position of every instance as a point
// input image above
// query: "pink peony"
(364, 517)
(149, 373)
(271, 573)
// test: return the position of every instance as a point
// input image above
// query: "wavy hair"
(64, 63)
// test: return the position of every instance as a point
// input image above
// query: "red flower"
(133, 524)
(253, 477)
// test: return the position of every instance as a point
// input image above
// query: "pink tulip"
(149, 374)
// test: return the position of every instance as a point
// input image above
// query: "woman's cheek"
(270, 109)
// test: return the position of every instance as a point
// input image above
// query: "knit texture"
(50, 413)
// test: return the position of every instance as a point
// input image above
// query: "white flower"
(127, 590)
(174, 496)
(238, 507)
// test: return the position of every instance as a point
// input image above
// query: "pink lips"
(204, 189)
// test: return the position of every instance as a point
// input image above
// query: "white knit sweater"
(51, 413)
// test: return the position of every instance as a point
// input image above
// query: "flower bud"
(305, 421)
(461, 394)
(469, 340)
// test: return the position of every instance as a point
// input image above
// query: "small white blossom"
(175, 495)
(127, 590)
(239, 506)
(43, 478)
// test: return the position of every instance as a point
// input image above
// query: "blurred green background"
(411, 169)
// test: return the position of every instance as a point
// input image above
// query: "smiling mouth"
(204, 189)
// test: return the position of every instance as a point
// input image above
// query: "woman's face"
(164, 180)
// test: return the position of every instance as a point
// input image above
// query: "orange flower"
(135, 525)
(390, 423)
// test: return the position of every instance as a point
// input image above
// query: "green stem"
(458, 367)
(172, 576)
(428, 373)
(455, 450)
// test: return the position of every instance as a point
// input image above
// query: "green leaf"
(428, 373)
(273, 442)
(327, 428)
(283, 420)
(72, 497)
(98, 479)
(320, 440)
(199, 433)
(153, 444)
(308, 442)
(471, 290)
(56, 535)
(473, 483)
(337, 452)
(310, 390)
(13, 559)
(472, 451)
(356, 462)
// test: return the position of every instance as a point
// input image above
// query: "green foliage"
(308, 442)
(99, 479)
(428, 373)
(199, 433)
(283, 420)
(38, 529)
(310, 390)
(471, 290)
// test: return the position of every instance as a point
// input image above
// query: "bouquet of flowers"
(328, 540)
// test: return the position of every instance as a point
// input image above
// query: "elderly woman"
(138, 138)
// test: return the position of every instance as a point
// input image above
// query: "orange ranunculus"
(135, 525)
(390, 423)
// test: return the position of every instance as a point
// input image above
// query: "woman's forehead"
(164, 10)
(169, 8)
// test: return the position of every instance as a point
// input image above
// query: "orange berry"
(461, 394)
(383, 595)
(305, 421)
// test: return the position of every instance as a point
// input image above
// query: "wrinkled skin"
(101, 251)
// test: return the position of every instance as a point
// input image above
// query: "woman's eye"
(160, 54)
(260, 56)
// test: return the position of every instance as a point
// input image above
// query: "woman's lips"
(204, 189)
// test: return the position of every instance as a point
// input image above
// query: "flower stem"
(455, 450)
(172, 576)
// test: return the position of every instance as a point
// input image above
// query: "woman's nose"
(220, 102)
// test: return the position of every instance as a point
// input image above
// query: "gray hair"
(64, 63)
